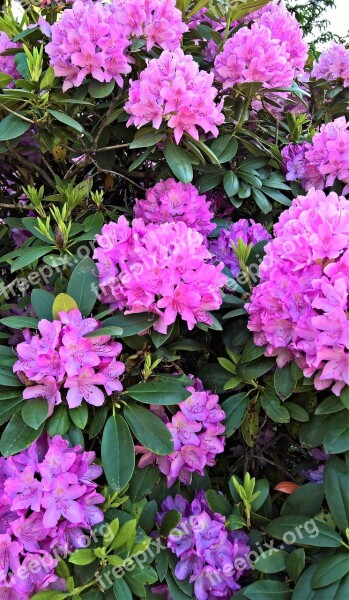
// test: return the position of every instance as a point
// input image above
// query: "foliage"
(119, 336)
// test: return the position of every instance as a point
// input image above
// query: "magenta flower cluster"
(159, 21)
(322, 162)
(48, 505)
(254, 55)
(172, 88)
(158, 268)
(246, 230)
(61, 356)
(333, 64)
(7, 63)
(89, 40)
(171, 201)
(197, 430)
(213, 557)
(299, 308)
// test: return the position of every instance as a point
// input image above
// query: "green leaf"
(131, 324)
(159, 339)
(175, 591)
(62, 303)
(302, 531)
(330, 570)
(64, 118)
(117, 452)
(85, 556)
(235, 409)
(12, 127)
(255, 369)
(9, 379)
(59, 423)
(262, 201)
(5, 80)
(34, 412)
(264, 590)
(251, 351)
(79, 415)
(271, 561)
(261, 486)
(20, 322)
(97, 89)
(306, 500)
(178, 161)
(143, 482)
(330, 405)
(169, 522)
(312, 433)
(295, 563)
(144, 140)
(42, 303)
(271, 404)
(231, 183)
(50, 595)
(336, 439)
(10, 407)
(225, 147)
(121, 589)
(218, 503)
(113, 331)
(29, 256)
(210, 181)
(156, 392)
(149, 429)
(83, 285)
(284, 382)
(297, 412)
(344, 396)
(336, 486)
(17, 436)
(303, 589)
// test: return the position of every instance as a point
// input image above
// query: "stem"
(18, 115)
(117, 174)
(244, 114)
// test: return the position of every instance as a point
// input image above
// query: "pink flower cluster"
(7, 63)
(61, 356)
(254, 55)
(299, 308)
(212, 556)
(324, 161)
(246, 230)
(172, 88)
(158, 268)
(332, 64)
(48, 499)
(196, 430)
(159, 21)
(170, 201)
(285, 28)
(89, 40)
(272, 51)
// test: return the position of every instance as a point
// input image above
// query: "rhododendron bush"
(174, 273)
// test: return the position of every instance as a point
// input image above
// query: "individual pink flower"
(84, 387)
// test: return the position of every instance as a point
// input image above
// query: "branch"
(118, 175)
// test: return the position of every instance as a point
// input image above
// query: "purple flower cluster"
(322, 162)
(89, 40)
(48, 499)
(299, 308)
(7, 63)
(332, 64)
(171, 201)
(173, 88)
(212, 556)
(159, 21)
(158, 268)
(61, 356)
(196, 430)
(246, 230)
(317, 475)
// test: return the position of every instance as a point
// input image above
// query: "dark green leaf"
(66, 119)
(149, 429)
(121, 589)
(34, 412)
(117, 452)
(302, 531)
(154, 392)
(12, 127)
(178, 161)
(264, 590)
(306, 500)
(262, 201)
(29, 256)
(10, 407)
(59, 423)
(336, 438)
(83, 285)
(42, 302)
(131, 324)
(235, 409)
(336, 485)
(271, 561)
(295, 563)
(20, 322)
(17, 436)
(330, 570)
(225, 148)
(218, 503)
(284, 382)
(79, 415)
(97, 89)
(169, 522)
